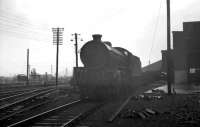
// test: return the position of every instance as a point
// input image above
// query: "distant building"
(2, 80)
(153, 67)
(21, 77)
(34, 75)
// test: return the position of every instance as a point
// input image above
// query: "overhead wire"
(155, 30)
(21, 23)
(6, 22)
(22, 34)
(15, 18)
(21, 26)
(17, 26)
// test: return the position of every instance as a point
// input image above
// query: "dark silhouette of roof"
(156, 66)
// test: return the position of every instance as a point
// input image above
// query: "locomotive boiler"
(108, 71)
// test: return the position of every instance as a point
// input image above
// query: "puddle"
(161, 88)
(181, 89)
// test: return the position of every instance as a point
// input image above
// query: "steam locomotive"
(108, 71)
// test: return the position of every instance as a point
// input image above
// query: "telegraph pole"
(57, 40)
(27, 68)
(51, 69)
(168, 48)
(76, 49)
(76, 46)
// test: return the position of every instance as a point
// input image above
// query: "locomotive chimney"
(97, 37)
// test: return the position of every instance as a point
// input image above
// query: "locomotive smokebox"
(97, 37)
(94, 53)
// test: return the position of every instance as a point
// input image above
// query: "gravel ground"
(177, 110)
(100, 118)
(180, 110)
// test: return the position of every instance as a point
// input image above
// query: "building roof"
(156, 66)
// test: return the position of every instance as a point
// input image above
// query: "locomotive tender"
(108, 71)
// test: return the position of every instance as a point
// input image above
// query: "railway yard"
(139, 77)
(61, 106)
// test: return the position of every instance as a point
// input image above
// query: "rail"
(20, 94)
(2, 108)
(7, 117)
(81, 116)
(30, 119)
(116, 113)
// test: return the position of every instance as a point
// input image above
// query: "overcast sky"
(137, 25)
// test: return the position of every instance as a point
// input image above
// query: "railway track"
(17, 97)
(63, 116)
(4, 121)
(14, 92)
(10, 98)
(24, 104)
(18, 88)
